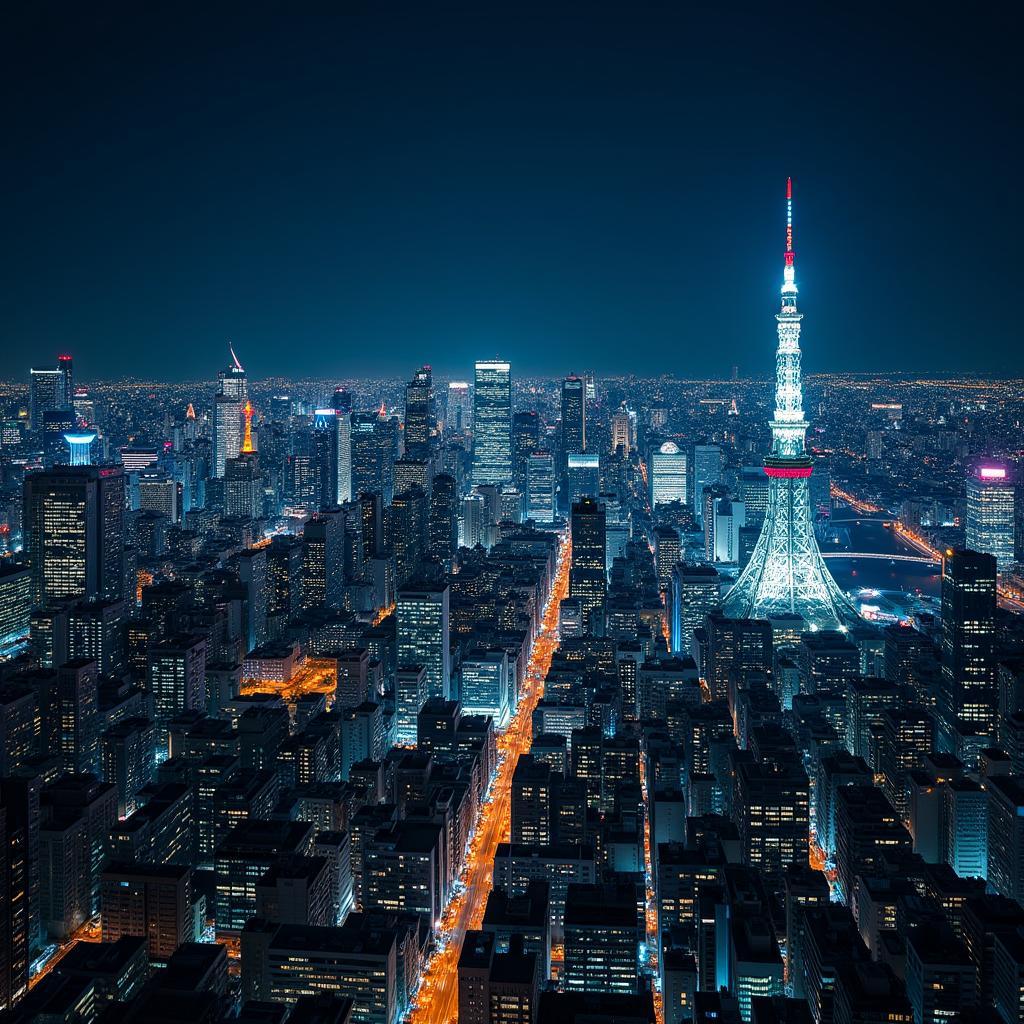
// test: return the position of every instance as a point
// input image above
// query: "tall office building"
(492, 422)
(366, 455)
(323, 560)
(989, 523)
(176, 680)
(525, 439)
(582, 475)
(66, 367)
(232, 394)
(540, 486)
(622, 431)
(232, 380)
(458, 418)
(74, 532)
(970, 686)
(588, 580)
(328, 428)
(574, 417)
(418, 414)
(786, 574)
(443, 520)
(668, 474)
(343, 456)
(227, 431)
(46, 393)
(707, 471)
(423, 634)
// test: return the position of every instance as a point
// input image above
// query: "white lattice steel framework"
(786, 574)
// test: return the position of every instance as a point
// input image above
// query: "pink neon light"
(789, 472)
(992, 473)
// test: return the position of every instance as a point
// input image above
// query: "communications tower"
(786, 574)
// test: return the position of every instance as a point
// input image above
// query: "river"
(897, 588)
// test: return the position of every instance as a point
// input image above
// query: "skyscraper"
(227, 431)
(574, 417)
(423, 634)
(232, 394)
(418, 414)
(46, 393)
(970, 697)
(540, 485)
(525, 439)
(582, 475)
(786, 574)
(458, 418)
(492, 422)
(74, 532)
(668, 474)
(990, 513)
(587, 578)
(707, 471)
(622, 431)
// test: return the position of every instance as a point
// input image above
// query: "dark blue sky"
(589, 185)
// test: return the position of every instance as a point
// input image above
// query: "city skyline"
(622, 199)
(566, 650)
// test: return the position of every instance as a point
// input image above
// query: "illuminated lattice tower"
(786, 574)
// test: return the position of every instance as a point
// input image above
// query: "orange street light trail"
(438, 999)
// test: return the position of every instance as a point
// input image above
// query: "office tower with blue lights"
(582, 475)
(707, 471)
(540, 486)
(492, 422)
(786, 574)
(232, 394)
(423, 636)
(667, 474)
(79, 444)
(989, 523)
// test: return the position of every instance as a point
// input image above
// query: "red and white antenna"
(789, 222)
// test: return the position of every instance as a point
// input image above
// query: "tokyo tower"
(786, 574)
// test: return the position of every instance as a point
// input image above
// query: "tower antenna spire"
(789, 222)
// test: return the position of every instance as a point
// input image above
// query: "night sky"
(569, 186)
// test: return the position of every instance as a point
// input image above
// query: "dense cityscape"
(510, 700)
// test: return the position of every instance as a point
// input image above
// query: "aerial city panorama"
(511, 515)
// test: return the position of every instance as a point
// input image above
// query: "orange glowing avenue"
(651, 905)
(855, 503)
(438, 998)
(88, 932)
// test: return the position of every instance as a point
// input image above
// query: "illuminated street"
(439, 993)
